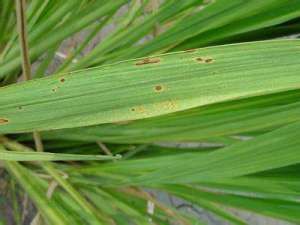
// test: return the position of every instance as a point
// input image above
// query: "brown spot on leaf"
(191, 50)
(199, 59)
(62, 79)
(3, 121)
(139, 109)
(54, 89)
(208, 60)
(148, 61)
(159, 88)
(123, 122)
(205, 60)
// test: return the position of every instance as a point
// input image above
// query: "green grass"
(86, 143)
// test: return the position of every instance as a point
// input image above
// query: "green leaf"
(276, 208)
(272, 150)
(150, 87)
(198, 124)
(186, 194)
(32, 185)
(269, 151)
(47, 156)
(216, 21)
(269, 13)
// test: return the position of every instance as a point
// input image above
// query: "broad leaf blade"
(150, 87)
(198, 124)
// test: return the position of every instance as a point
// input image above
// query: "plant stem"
(26, 65)
(104, 148)
(38, 141)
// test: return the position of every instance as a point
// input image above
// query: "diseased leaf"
(150, 87)
(198, 124)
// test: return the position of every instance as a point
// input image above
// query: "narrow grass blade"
(37, 193)
(47, 156)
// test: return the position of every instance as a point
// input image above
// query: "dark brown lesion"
(148, 61)
(62, 79)
(209, 60)
(205, 60)
(159, 88)
(191, 50)
(3, 121)
(138, 109)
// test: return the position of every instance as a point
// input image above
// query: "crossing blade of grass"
(33, 13)
(150, 87)
(216, 21)
(12, 50)
(275, 149)
(262, 18)
(137, 31)
(279, 31)
(214, 208)
(94, 217)
(98, 196)
(5, 19)
(93, 33)
(279, 209)
(247, 193)
(93, 12)
(272, 150)
(47, 156)
(68, 187)
(37, 193)
(261, 187)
